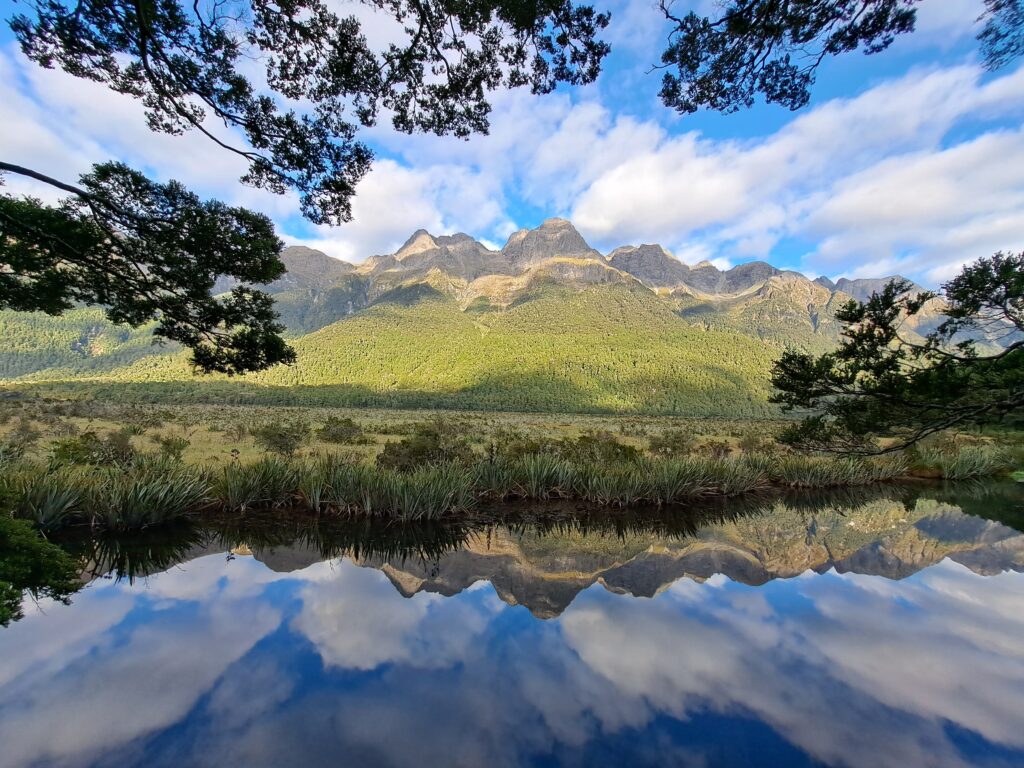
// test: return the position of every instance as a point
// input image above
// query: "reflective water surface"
(883, 628)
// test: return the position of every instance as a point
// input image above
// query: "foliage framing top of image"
(188, 62)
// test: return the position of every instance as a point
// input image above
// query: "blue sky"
(911, 161)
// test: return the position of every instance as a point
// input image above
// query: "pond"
(877, 628)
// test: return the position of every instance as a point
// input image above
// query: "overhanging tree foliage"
(188, 61)
(148, 252)
(883, 383)
(291, 81)
(774, 47)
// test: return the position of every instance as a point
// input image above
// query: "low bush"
(284, 438)
(340, 431)
(171, 446)
(113, 449)
(599, 447)
(671, 443)
(431, 443)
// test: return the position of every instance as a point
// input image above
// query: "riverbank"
(153, 490)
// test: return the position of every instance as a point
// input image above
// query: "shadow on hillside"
(507, 392)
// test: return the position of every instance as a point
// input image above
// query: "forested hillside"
(608, 349)
(546, 323)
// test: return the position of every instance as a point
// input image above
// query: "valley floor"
(218, 433)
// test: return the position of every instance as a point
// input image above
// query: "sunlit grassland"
(115, 467)
(214, 432)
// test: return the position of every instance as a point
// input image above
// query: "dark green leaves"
(148, 252)
(187, 62)
(773, 48)
(882, 383)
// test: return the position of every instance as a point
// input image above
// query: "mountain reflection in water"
(876, 628)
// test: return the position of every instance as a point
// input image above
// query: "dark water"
(884, 628)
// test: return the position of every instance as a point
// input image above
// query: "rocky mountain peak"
(862, 288)
(555, 237)
(420, 241)
(824, 282)
(651, 264)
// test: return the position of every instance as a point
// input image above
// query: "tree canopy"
(148, 252)
(773, 48)
(883, 383)
(296, 80)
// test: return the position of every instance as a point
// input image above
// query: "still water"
(884, 628)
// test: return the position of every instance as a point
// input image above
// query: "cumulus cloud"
(916, 174)
(137, 677)
(357, 620)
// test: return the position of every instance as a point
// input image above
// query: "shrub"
(171, 446)
(282, 437)
(671, 443)
(752, 443)
(65, 429)
(715, 449)
(89, 448)
(24, 435)
(508, 443)
(433, 443)
(340, 430)
(598, 447)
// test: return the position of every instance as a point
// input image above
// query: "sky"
(909, 162)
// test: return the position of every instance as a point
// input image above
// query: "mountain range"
(755, 297)
(545, 323)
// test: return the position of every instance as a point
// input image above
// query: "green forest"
(605, 349)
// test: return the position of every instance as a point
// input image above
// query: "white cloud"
(943, 207)
(917, 174)
(357, 620)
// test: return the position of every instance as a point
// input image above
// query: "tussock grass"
(153, 490)
(830, 472)
(269, 482)
(153, 494)
(51, 500)
(147, 493)
(966, 462)
(425, 493)
(543, 476)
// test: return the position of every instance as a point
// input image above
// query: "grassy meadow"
(128, 467)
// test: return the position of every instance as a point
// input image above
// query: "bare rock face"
(555, 237)
(458, 255)
(824, 282)
(308, 270)
(755, 298)
(651, 264)
(862, 288)
(707, 278)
